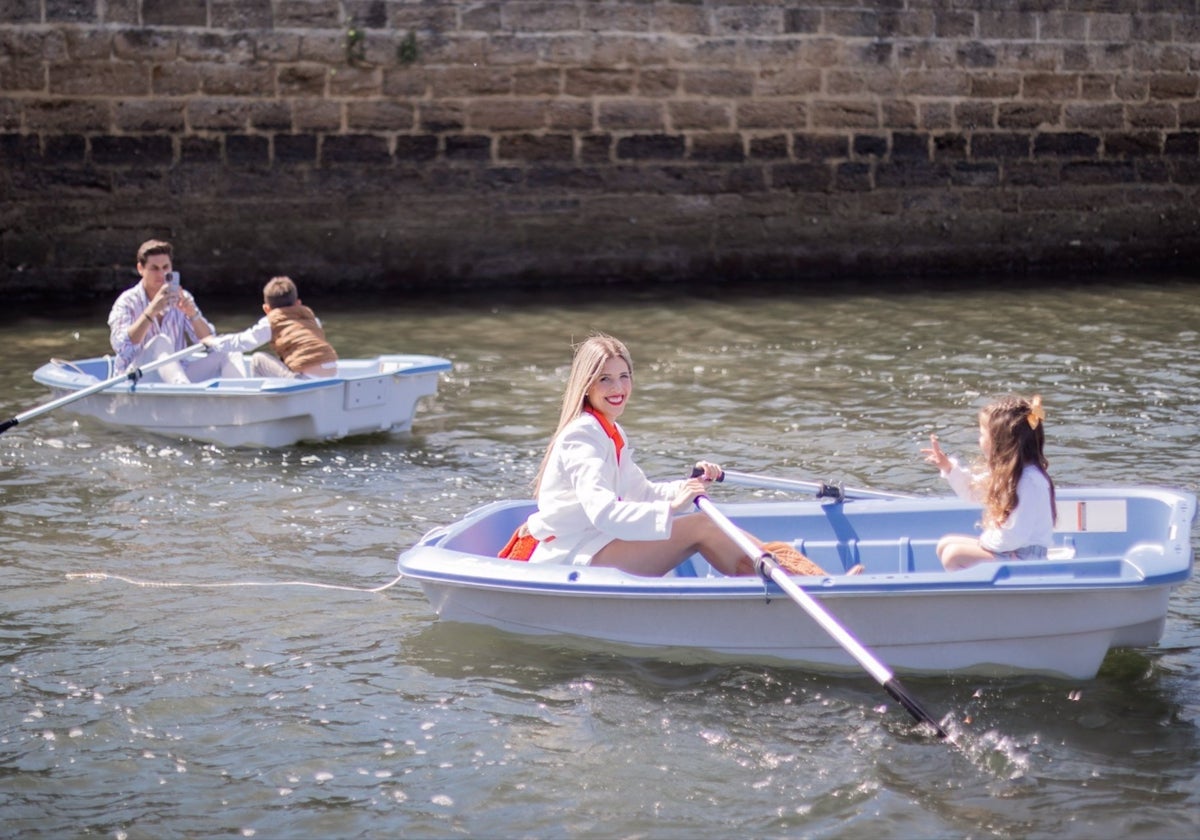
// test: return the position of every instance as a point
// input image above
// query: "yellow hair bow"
(1036, 415)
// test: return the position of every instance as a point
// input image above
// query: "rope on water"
(98, 576)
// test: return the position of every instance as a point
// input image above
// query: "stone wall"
(436, 144)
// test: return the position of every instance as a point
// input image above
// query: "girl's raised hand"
(934, 455)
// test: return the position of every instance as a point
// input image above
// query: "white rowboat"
(1119, 553)
(365, 396)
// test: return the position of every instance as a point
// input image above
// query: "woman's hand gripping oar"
(766, 566)
(132, 375)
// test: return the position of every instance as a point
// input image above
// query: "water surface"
(230, 700)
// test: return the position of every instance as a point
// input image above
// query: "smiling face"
(610, 392)
(154, 272)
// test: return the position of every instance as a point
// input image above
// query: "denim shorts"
(1025, 552)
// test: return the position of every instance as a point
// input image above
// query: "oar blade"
(901, 696)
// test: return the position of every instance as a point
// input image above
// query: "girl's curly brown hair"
(1014, 425)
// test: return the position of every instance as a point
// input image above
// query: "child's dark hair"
(280, 291)
(1016, 429)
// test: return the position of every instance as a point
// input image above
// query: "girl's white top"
(587, 499)
(1031, 521)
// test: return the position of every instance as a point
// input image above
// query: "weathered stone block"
(1185, 143)
(519, 16)
(723, 82)
(175, 79)
(1131, 144)
(506, 115)
(291, 149)
(241, 14)
(175, 12)
(360, 149)
(307, 14)
(788, 81)
(155, 151)
(28, 76)
(355, 81)
(247, 150)
(306, 79)
(1008, 145)
(93, 79)
(65, 149)
(1066, 144)
(949, 146)
(630, 115)
(868, 145)
(845, 114)
(199, 150)
(910, 174)
(223, 80)
(469, 147)
(219, 114)
(1093, 116)
(651, 147)
(149, 116)
(271, 115)
(70, 11)
(1099, 172)
(596, 148)
(699, 115)
(567, 115)
(450, 82)
(771, 113)
(818, 147)
(536, 147)
(379, 115)
(799, 177)
(70, 115)
(1028, 115)
(723, 148)
(1174, 86)
(320, 115)
(598, 81)
(21, 11)
(774, 147)
(910, 145)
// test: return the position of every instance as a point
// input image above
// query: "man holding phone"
(156, 317)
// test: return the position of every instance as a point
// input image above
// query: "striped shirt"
(129, 307)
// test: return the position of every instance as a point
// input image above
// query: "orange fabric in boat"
(520, 545)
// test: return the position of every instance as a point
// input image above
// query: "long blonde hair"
(590, 356)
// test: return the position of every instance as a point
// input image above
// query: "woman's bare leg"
(958, 551)
(690, 534)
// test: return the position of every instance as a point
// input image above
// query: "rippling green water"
(210, 707)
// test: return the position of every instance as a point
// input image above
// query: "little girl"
(1016, 491)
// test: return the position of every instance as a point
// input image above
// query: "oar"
(822, 490)
(133, 376)
(766, 566)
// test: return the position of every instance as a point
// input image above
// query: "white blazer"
(587, 499)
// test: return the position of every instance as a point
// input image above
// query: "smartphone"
(173, 280)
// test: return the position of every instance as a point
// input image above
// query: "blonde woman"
(595, 505)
